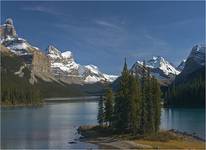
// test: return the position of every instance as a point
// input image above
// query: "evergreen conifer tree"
(122, 101)
(134, 105)
(100, 116)
(143, 116)
(108, 106)
(156, 96)
(149, 104)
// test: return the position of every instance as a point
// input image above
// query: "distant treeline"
(135, 106)
(187, 93)
(17, 95)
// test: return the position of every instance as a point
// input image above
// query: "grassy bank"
(165, 139)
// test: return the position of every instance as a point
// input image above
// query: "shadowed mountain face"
(194, 63)
(188, 88)
(181, 65)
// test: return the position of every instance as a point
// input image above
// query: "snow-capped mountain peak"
(63, 64)
(159, 68)
(53, 52)
(156, 62)
(9, 39)
(161, 63)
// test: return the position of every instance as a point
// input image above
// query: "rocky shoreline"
(185, 134)
(90, 134)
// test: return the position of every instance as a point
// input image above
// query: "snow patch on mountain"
(110, 78)
(92, 79)
(18, 46)
(67, 54)
(94, 69)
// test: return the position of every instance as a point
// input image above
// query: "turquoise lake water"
(54, 125)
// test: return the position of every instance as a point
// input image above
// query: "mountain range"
(52, 65)
(64, 67)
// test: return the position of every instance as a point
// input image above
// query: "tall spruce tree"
(134, 105)
(137, 108)
(149, 104)
(121, 107)
(108, 106)
(156, 97)
(100, 115)
(143, 113)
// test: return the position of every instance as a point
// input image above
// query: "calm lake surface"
(54, 124)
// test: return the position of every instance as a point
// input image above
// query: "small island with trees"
(129, 117)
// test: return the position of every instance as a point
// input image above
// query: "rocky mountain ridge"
(194, 62)
(65, 68)
(159, 67)
(181, 65)
(54, 65)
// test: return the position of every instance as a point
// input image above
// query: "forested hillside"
(190, 93)
(15, 89)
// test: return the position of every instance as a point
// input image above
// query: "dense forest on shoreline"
(188, 93)
(14, 89)
(135, 107)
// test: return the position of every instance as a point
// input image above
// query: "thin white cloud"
(155, 40)
(124, 42)
(107, 24)
(179, 23)
(42, 9)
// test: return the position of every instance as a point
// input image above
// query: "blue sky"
(103, 33)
